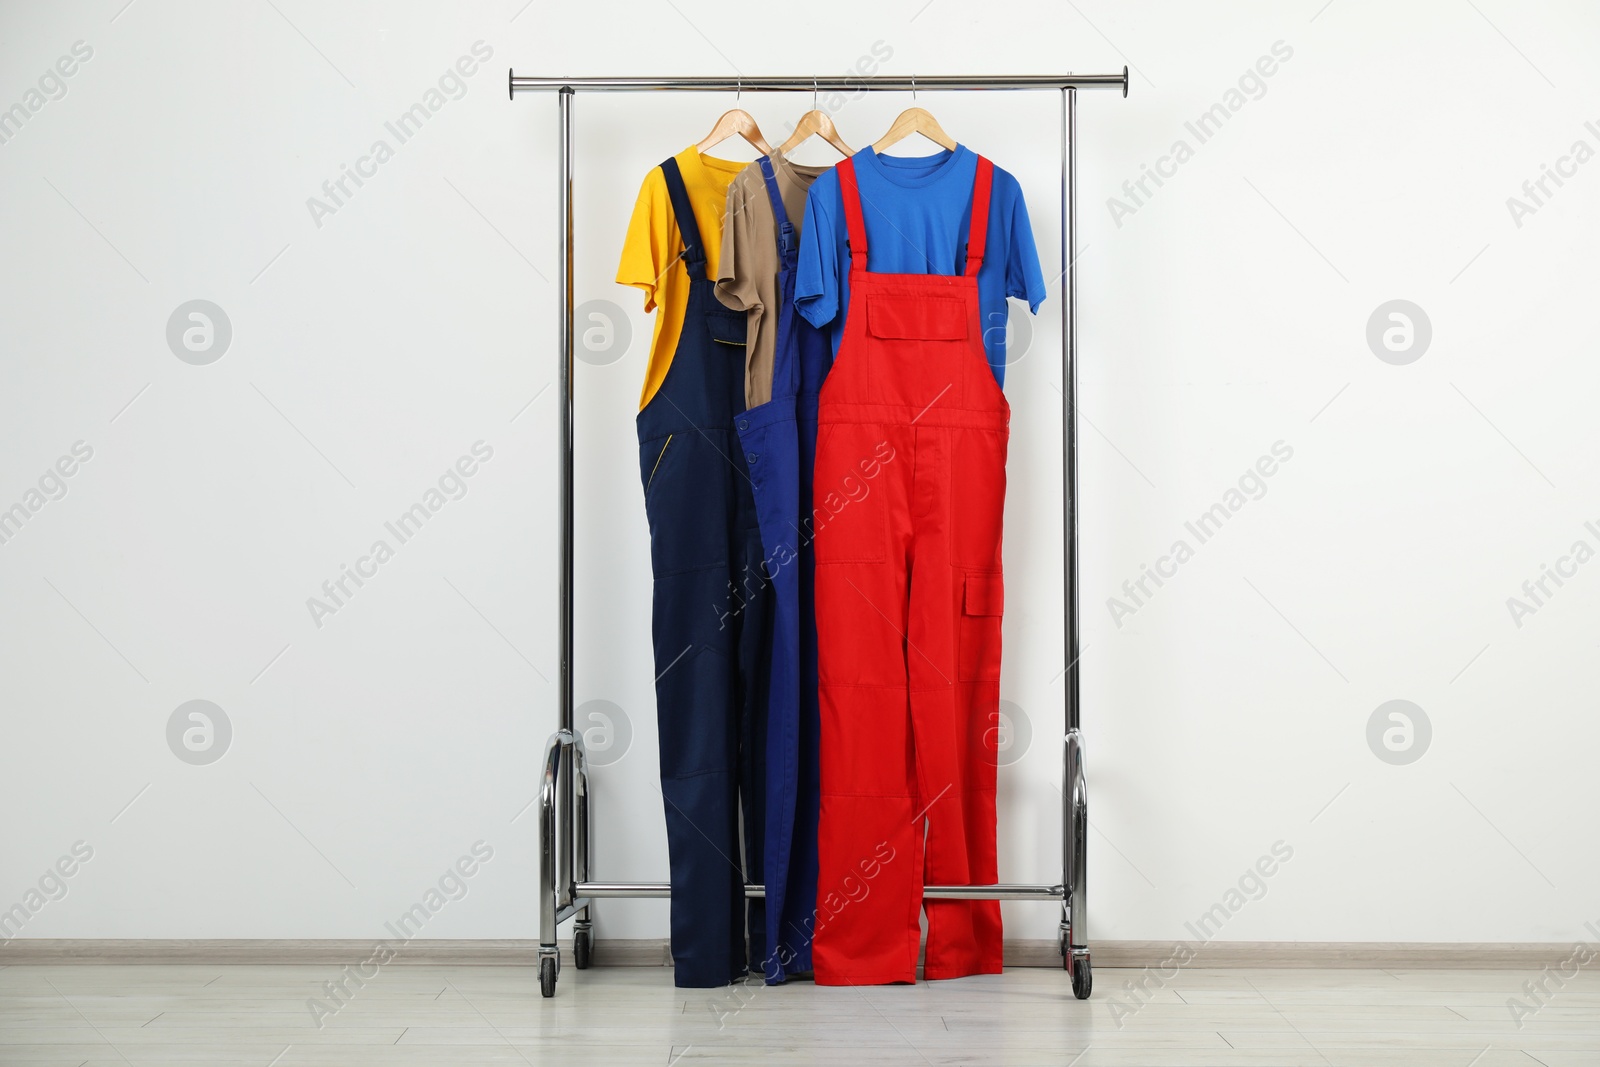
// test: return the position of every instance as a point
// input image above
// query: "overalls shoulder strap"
(694, 252)
(978, 228)
(852, 215)
(788, 247)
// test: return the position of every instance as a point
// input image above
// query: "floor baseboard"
(652, 952)
(1399, 955)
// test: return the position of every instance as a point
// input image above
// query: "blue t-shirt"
(916, 210)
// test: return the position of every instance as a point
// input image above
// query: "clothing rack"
(566, 890)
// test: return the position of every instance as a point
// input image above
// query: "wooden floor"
(92, 1016)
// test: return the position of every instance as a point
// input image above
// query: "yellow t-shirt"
(650, 251)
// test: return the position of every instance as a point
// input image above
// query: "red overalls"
(908, 502)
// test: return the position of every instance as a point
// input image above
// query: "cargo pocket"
(982, 605)
(686, 487)
(648, 468)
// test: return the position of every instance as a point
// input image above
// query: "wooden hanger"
(817, 123)
(736, 122)
(915, 120)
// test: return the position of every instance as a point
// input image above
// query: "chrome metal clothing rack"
(565, 887)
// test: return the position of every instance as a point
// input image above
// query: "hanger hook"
(738, 89)
(813, 92)
(913, 88)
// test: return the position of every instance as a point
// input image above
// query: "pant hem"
(704, 981)
(938, 974)
(865, 979)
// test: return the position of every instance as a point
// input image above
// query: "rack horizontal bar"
(1005, 891)
(832, 83)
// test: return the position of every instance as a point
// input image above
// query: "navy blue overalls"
(711, 628)
(780, 439)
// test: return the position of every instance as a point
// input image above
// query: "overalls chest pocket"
(928, 319)
(726, 328)
(919, 350)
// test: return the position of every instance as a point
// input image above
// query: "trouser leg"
(869, 847)
(753, 702)
(705, 646)
(956, 606)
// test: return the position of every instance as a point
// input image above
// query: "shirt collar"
(942, 164)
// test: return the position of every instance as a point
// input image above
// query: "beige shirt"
(747, 275)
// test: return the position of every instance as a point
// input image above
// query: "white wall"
(368, 353)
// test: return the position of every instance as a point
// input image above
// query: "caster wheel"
(582, 948)
(1082, 979)
(1061, 945)
(547, 977)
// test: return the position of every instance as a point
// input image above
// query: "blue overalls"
(711, 628)
(780, 440)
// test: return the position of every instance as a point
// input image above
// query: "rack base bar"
(1005, 891)
(563, 914)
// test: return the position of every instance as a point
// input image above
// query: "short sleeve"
(1024, 279)
(647, 248)
(816, 283)
(736, 283)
